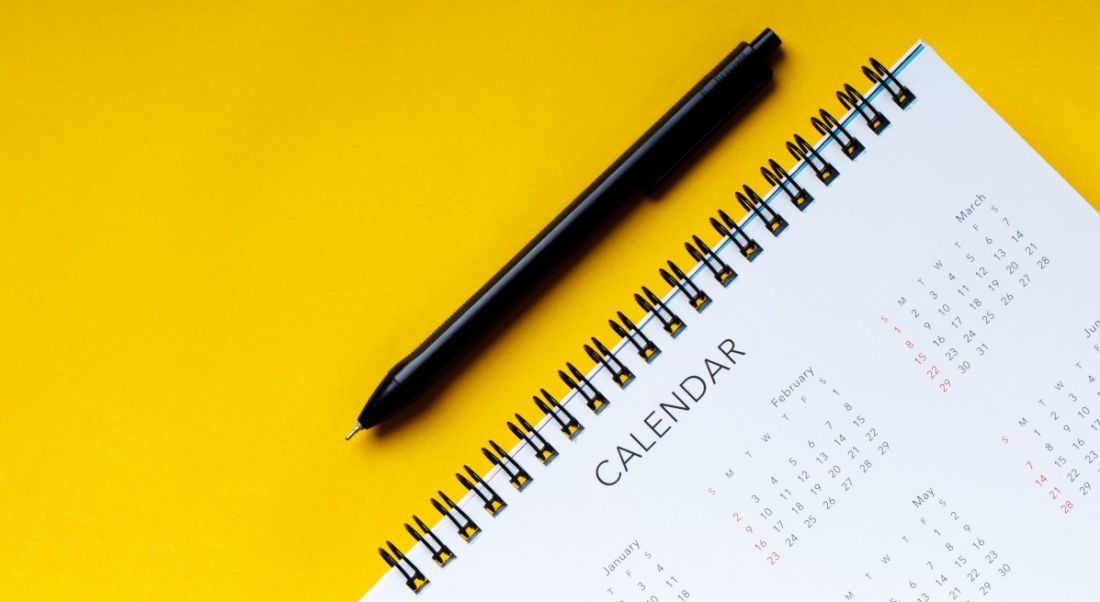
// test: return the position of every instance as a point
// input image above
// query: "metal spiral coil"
(729, 228)
(602, 355)
(517, 476)
(441, 554)
(530, 435)
(467, 528)
(414, 578)
(829, 126)
(701, 253)
(853, 100)
(570, 426)
(805, 152)
(879, 74)
(698, 299)
(628, 331)
(754, 204)
(783, 185)
(777, 176)
(579, 382)
(652, 304)
(491, 500)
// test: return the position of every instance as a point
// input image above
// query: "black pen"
(641, 169)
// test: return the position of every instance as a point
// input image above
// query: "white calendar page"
(897, 400)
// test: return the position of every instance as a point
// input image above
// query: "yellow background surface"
(221, 223)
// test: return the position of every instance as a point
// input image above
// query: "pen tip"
(358, 427)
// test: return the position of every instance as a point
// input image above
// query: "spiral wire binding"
(805, 152)
(852, 99)
(652, 304)
(631, 334)
(576, 381)
(879, 74)
(829, 126)
(698, 299)
(517, 476)
(776, 176)
(647, 349)
(602, 355)
(467, 528)
(414, 579)
(490, 499)
(729, 228)
(531, 436)
(701, 253)
(441, 554)
(754, 204)
(570, 426)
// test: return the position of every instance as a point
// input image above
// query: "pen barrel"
(641, 168)
(470, 327)
(704, 109)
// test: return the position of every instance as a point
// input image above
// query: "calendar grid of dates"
(940, 325)
(785, 487)
(1055, 441)
(942, 554)
(638, 574)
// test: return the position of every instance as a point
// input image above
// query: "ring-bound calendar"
(881, 384)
